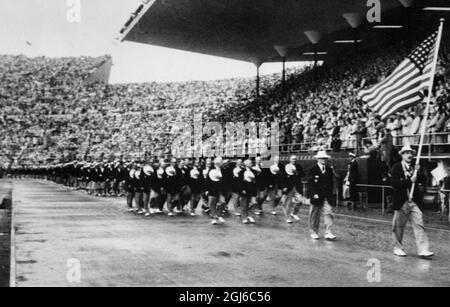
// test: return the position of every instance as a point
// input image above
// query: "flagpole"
(427, 108)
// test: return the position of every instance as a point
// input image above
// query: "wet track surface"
(116, 248)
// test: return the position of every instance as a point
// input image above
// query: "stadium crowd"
(49, 114)
(328, 114)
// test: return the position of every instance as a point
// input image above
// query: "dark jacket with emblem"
(320, 184)
(295, 180)
(248, 188)
(401, 185)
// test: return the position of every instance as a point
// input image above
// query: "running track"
(114, 248)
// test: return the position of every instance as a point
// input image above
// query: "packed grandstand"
(50, 115)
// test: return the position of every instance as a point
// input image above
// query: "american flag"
(406, 85)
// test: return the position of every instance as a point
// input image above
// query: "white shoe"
(193, 214)
(246, 221)
(214, 222)
(426, 254)
(141, 211)
(159, 211)
(315, 236)
(295, 217)
(289, 221)
(130, 210)
(147, 214)
(274, 213)
(237, 214)
(399, 252)
(252, 220)
(222, 220)
(258, 212)
(171, 214)
(330, 237)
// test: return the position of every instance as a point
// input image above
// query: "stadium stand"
(50, 114)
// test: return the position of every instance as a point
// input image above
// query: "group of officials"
(216, 185)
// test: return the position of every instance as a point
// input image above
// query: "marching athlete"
(214, 191)
(292, 189)
(205, 171)
(235, 187)
(248, 191)
(404, 175)
(195, 185)
(172, 187)
(274, 184)
(139, 189)
(321, 181)
(130, 187)
(261, 188)
(159, 194)
(185, 189)
(147, 178)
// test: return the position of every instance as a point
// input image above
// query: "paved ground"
(115, 248)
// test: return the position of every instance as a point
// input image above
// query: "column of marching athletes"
(220, 187)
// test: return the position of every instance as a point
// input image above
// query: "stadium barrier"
(245, 150)
(383, 193)
(438, 138)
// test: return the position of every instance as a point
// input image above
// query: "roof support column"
(258, 63)
(283, 51)
(314, 37)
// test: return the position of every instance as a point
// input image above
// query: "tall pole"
(257, 80)
(315, 62)
(427, 108)
(284, 74)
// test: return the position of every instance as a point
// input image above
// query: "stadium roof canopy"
(248, 30)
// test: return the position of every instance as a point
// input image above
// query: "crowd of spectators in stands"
(48, 112)
(327, 112)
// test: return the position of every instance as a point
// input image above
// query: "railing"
(239, 150)
(383, 193)
(438, 138)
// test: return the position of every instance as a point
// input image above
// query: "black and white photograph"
(224, 149)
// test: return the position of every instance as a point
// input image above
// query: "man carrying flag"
(403, 88)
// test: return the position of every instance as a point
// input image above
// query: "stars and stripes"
(406, 85)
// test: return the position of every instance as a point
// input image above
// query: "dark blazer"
(248, 189)
(196, 185)
(173, 182)
(183, 175)
(214, 188)
(320, 184)
(291, 181)
(275, 181)
(159, 184)
(146, 182)
(402, 184)
(236, 181)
